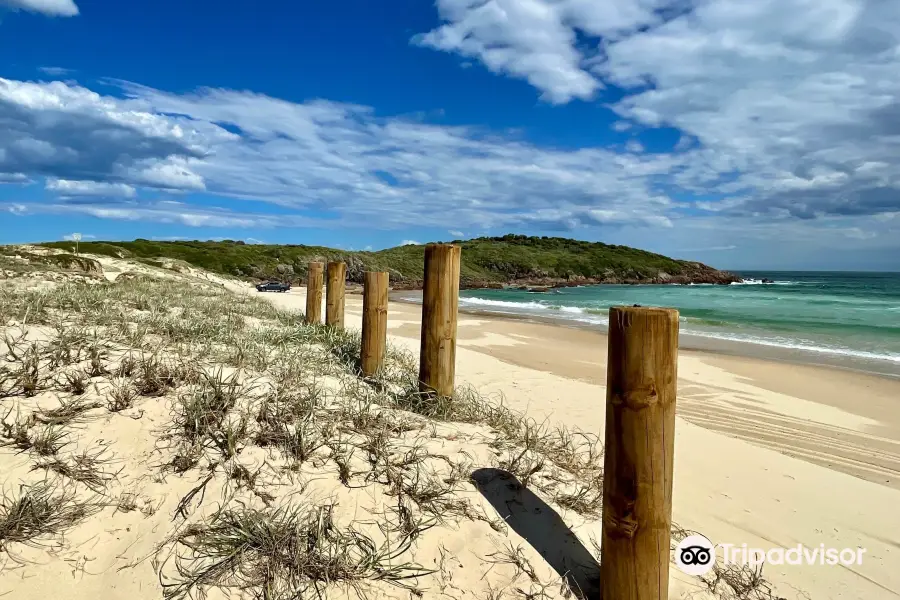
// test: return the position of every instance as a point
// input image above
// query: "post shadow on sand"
(540, 526)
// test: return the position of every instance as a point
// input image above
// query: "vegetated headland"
(490, 262)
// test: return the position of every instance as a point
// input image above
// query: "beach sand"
(767, 454)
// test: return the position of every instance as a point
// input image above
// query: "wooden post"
(314, 293)
(334, 294)
(374, 322)
(440, 297)
(641, 380)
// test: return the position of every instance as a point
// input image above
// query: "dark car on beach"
(273, 286)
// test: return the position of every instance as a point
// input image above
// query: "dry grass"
(24, 373)
(44, 440)
(290, 552)
(69, 411)
(202, 412)
(38, 511)
(87, 467)
(121, 395)
(235, 373)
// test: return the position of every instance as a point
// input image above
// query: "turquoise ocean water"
(854, 316)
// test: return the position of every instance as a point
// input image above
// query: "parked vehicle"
(273, 286)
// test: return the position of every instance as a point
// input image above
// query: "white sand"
(752, 465)
(766, 454)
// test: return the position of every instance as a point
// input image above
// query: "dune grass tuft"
(289, 552)
(87, 467)
(40, 510)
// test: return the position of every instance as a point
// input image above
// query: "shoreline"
(714, 347)
(767, 453)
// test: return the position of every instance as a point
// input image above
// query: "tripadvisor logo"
(696, 555)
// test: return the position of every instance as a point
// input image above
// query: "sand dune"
(290, 440)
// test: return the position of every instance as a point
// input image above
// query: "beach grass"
(248, 410)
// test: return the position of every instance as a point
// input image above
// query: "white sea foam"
(761, 282)
(568, 313)
(504, 304)
(789, 344)
(572, 309)
(582, 315)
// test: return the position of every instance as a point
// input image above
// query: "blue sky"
(746, 135)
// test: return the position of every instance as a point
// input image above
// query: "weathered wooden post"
(334, 294)
(314, 293)
(641, 383)
(374, 322)
(440, 298)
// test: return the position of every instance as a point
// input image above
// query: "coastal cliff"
(492, 262)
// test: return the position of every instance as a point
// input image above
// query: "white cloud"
(168, 213)
(458, 234)
(634, 146)
(389, 172)
(410, 243)
(792, 127)
(65, 187)
(70, 237)
(52, 8)
(14, 178)
(794, 105)
(68, 132)
(524, 38)
(540, 40)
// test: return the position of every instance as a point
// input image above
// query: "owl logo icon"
(695, 555)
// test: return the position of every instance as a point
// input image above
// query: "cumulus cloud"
(410, 243)
(69, 132)
(52, 8)
(791, 108)
(456, 233)
(70, 237)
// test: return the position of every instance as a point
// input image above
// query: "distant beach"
(846, 320)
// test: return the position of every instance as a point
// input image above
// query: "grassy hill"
(486, 262)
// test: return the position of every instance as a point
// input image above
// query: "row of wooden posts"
(640, 407)
(440, 298)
